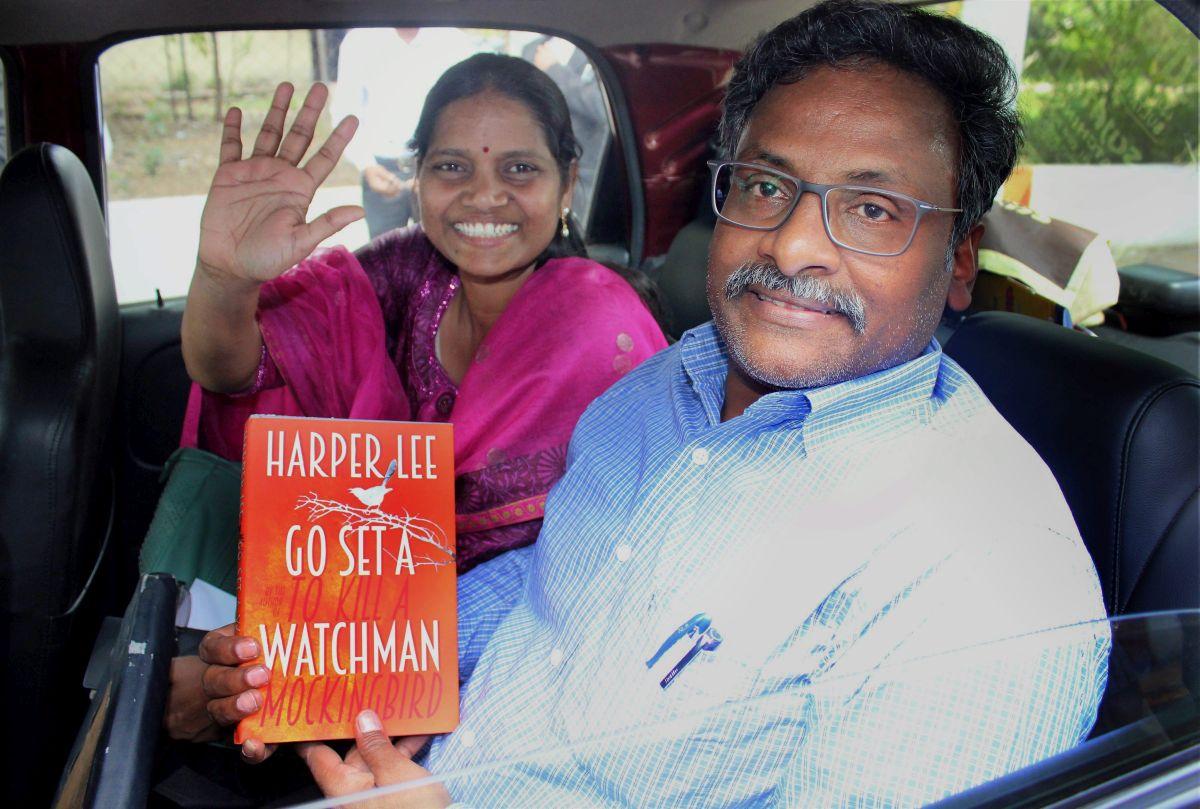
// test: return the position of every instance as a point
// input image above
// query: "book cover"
(346, 575)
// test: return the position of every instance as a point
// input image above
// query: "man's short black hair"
(968, 68)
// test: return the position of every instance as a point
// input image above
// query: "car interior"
(92, 389)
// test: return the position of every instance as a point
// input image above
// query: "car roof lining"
(712, 23)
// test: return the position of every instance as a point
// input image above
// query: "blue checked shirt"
(905, 606)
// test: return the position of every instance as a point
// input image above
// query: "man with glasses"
(796, 558)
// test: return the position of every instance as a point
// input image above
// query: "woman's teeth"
(792, 306)
(484, 230)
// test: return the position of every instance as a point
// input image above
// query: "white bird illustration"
(373, 496)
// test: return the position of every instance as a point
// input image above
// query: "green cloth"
(195, 530)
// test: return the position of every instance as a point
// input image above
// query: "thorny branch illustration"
(418, 529)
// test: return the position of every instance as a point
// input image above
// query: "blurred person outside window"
(569, 68)
(383, 77)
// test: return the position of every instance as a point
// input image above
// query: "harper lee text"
(355, 454)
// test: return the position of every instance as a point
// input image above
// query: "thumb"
(385, 763)
(390, 766)
(310, 235)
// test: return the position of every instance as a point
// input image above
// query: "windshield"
(765, 748)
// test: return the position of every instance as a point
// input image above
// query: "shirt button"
(699, 456)
(466, 737)
(556, 656)
(623, 553)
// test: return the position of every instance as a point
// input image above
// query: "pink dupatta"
(573, 329)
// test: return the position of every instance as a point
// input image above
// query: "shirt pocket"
(614, 692)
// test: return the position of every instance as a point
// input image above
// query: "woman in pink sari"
(486, 314)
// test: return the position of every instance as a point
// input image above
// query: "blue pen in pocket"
(707, 639)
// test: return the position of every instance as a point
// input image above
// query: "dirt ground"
(156, 154)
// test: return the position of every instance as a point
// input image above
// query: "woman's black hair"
(524, 82)
(967, 68)
(511, 77)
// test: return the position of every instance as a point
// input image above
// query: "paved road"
(154, 240)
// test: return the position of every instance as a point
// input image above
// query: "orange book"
(346, 575)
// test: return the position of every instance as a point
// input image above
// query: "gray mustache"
(804, 285)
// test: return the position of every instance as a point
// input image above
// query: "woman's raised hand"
(254, 222)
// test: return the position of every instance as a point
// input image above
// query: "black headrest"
(55, 274)
(1120, 430)
(680, 279)
(59, 361)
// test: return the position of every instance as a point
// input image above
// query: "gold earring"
(566, 231)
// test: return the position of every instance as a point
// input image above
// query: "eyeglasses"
(860, 218)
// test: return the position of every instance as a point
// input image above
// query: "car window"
(163, 98)
(1109, 100)
(1149, 710)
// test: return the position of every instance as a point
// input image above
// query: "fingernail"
(246, 649)
(368, 722)
(247, 702)
(257, 676)
(249, 748)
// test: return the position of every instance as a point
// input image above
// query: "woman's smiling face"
(490, 191)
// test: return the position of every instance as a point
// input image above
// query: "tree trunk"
(316, 43)
(170, 80)
(219, 99)
(231, 76)
(187, 80)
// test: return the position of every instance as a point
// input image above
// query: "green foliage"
(157, 117)
(152, 159)
(199, 41)
(177, 81)
(1109, 81)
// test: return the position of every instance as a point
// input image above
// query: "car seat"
(59, 359)
(1121, 433)
(1120, 430)
(681, 276)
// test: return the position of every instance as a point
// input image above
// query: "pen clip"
(709, 640)
(698, 623)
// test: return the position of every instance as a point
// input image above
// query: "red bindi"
(485, 150)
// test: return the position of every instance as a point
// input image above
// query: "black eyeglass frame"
(822, 191)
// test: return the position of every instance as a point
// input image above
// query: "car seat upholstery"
(1121, 433)
(59, 356)
(680, 278)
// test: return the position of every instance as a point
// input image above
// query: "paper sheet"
(206, 606)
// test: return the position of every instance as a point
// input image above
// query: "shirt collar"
(889, 396)
(706, 364)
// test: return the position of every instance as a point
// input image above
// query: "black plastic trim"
(1186, 11)
(14, 108)
(111, 760)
